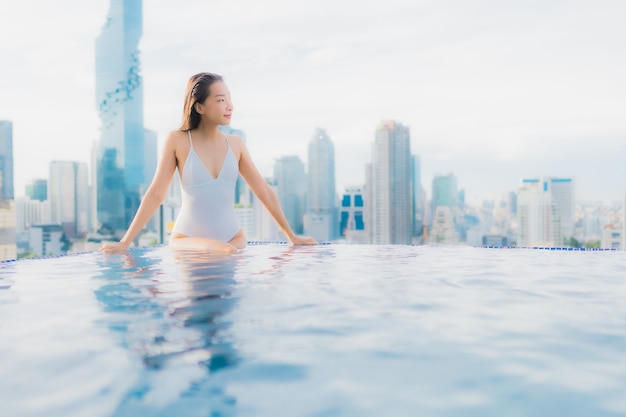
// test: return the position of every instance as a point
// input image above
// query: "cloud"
(478, 79)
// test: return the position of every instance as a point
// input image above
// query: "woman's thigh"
(202, 244)
(239, 240)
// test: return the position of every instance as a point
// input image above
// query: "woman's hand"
(303, 240)
(114, 247)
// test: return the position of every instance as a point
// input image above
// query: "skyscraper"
(444, 194)
(321, 220)
(564, 197)
(7, 205)
(418, 195)
(291, 186)
(6, 160)
(388, 188)
(352, 210)
(69, 197)
(538, 218)
(37, 189)
(119, 100)
(562, 191)
(149, 168)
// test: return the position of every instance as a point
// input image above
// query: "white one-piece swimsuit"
(208, 204)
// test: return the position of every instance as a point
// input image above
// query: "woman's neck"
(209, 131)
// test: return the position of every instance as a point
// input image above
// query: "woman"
(208, 162)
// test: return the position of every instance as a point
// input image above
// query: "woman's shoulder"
(175, 139)
(235, 139)
(176, 136)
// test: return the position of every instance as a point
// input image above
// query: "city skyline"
(492, 95)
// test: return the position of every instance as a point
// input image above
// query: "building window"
(358, 219)
(344, 223)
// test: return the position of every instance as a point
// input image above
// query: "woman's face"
(217, 108)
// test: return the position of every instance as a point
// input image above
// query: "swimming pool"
(329, 330)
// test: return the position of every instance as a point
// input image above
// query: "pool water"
(329, 330)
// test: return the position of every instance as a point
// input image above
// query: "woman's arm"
(267, 196)
(152, 199)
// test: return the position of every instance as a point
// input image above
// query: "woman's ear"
(199, 108)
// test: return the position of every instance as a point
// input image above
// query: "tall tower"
(291, 185)
(444, 194)
(321, 220)
(6, 160)
(390, 215)
(563, 198)
(418, 195)
(119, 101)
(37, 190)
(538, 217)
(69, 197)
(352, 223)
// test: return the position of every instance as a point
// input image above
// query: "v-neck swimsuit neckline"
(195, 154)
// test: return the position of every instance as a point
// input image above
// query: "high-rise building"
(352, 211)
(150, 165)
(69, 197)
(538, 218)
(265, 226)
(321, 220)
(612, 236)
(444, 194)
(290, 180)
(120, 172)
(418, 196)
(48, 240)
(37, 190)
(8, 246)
(151, 156)
(388, 186)
(443, 229)
(29, 212)
(563, 197)
(512, 202)
(6, 160)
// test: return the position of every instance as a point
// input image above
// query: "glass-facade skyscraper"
(418, 195)
(120, 172)
(563, 196)
(69, 197)
(290, 180)
(538, 214)
(445, 194)
(6, 160)
(389, 208)
(321, 219)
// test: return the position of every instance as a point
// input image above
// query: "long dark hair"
(198, 89)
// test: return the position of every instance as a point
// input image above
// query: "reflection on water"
(336, 330)
(172, 315)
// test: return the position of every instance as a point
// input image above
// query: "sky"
(493, 91)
